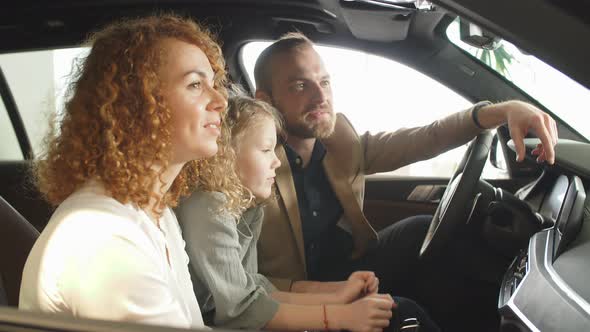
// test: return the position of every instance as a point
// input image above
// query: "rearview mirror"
(477, 37)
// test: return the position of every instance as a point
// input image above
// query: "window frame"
(16, 120)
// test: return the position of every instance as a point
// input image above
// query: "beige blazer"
(281, 254)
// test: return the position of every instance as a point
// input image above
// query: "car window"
(38, 81)
(561, 95)
(9, 149)
(378, 94)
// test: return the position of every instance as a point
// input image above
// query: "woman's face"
(187, 79)
(256, 158)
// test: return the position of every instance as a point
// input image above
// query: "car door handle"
(427, 193)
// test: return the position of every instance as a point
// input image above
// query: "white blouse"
(98, 258)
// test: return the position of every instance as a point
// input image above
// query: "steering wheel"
(455, 205)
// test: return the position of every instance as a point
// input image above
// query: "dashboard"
(546, 287)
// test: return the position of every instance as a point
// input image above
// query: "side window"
(378, 94)
(37, 81)
(9, 149)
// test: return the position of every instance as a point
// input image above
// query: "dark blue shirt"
(320, 211)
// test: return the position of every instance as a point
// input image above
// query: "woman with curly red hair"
(139, 130)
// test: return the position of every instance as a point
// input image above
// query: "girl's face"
(187, 79)
(256, 158)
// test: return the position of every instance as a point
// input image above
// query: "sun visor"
(377, 25)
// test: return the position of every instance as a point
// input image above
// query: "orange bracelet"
(326, 327)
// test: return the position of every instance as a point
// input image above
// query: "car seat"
(17, 237)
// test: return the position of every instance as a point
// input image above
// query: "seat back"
(3, 299)
(17, 237)
(17, 189)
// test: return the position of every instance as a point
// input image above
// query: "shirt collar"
(317, 155)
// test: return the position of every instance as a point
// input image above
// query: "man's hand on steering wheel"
(455, 203)
(521, 118)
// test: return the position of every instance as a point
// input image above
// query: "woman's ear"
(262, 95)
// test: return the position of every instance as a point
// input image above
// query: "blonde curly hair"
(244, 113)
(116, 123)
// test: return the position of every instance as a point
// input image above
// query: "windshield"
(557, 92)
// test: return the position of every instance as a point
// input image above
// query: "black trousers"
(452, 299)
(396, 264)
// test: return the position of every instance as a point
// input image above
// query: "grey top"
(224, 264)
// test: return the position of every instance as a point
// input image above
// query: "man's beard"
(303, 129)
(307, 129)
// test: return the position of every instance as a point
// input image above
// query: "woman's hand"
(359, 284)
(350, 291)
(368, 277)
(372, 313)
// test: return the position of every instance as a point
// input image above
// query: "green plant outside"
(498, 59)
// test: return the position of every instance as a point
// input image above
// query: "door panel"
(390, 199)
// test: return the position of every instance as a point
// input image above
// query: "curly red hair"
(116, 124)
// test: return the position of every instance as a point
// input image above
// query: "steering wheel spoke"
(454, 207)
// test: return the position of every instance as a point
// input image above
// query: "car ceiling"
(407, 37)
(415, 38)
(63, 23)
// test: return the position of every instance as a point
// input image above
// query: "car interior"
(523, 237)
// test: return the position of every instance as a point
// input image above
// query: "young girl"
(222, 247)
(145, 106)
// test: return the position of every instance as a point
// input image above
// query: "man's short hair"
(287, 43)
